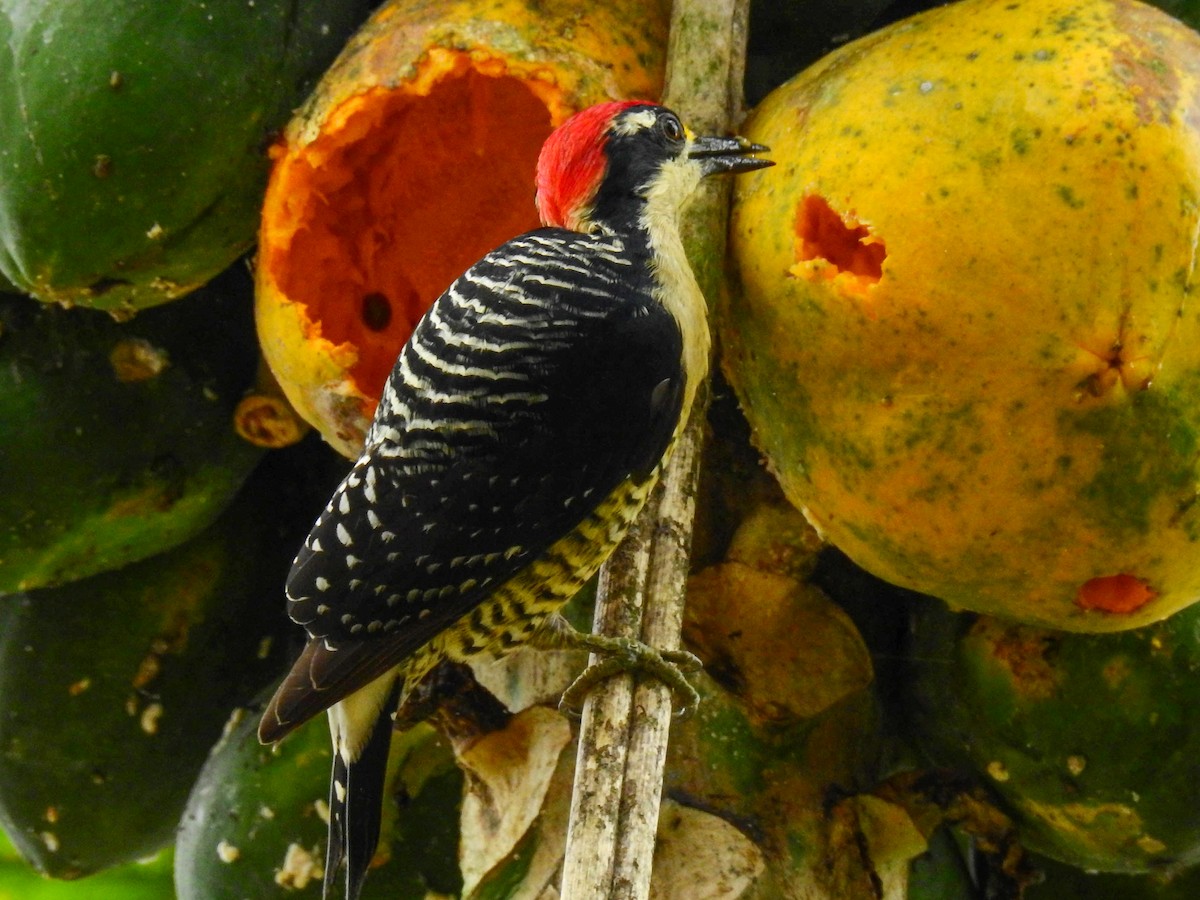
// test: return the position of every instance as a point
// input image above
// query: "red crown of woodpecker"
(573, 162)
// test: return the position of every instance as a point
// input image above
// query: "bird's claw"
(628, 656)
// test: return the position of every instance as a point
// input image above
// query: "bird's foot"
(619, 656)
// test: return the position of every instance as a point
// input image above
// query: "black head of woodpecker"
(606, 163)
(627, 168)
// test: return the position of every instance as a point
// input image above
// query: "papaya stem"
(264, 417)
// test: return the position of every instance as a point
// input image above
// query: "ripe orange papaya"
(413, 158)
(963, 334)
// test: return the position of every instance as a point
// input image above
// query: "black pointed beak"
(721, 155)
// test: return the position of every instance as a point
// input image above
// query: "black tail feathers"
(355, 807)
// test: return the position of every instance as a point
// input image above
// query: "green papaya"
(115, 687)
(1091, 741)
(135, 134)
(255, 824)
(118, 439)
(1063, 882)
(148, 879)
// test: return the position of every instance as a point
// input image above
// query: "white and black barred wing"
(544, 378)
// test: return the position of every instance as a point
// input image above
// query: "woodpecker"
(519, 434)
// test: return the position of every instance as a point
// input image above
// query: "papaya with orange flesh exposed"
(963, 334)
(414, 157)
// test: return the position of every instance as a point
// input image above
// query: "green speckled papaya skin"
(1092, 740)
(118, 440)
(135, 134)
(260, 808)
(964, 335)
(117, 686)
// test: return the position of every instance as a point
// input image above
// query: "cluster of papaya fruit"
(946, 333)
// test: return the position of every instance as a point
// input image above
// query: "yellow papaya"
(963, 334)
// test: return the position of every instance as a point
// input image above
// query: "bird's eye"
(672, 128)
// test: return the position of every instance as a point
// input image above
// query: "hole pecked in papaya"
(104, 285)
(376, 311)
(1119, 594)
(390, 202)
(829, 247)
